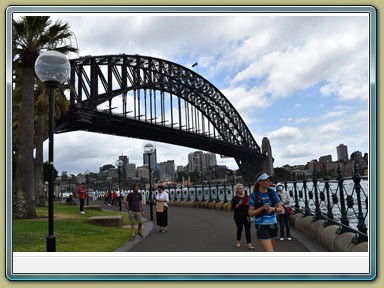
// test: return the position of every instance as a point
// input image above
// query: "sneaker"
(82, 212)
(281, 238)
(139, 233)
(289, 238)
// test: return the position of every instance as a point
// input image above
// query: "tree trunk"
(24, 187)
(39, 140)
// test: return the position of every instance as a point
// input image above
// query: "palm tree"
(42, 102)
(31, 36)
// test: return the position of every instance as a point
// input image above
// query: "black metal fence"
(342, 202)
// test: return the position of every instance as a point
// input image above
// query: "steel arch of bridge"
(169, 103)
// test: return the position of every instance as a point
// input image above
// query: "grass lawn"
(72, 232)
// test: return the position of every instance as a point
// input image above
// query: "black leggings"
(241, 221)
(284, 222)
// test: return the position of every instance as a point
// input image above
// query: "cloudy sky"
(300, 80)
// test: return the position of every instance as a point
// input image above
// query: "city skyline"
(306, 91)
(144, 163)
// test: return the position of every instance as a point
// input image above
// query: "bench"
(110, 221)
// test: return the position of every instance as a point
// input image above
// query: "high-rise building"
(200, 161)
(153, 159)
(143, 172)
(325, 159)
(131, 171)
(167, 170)
(357, 157)
(125, 162)
(342, 153)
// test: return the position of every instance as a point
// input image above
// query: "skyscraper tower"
(342, 153)
(153, 159)
(124, 167)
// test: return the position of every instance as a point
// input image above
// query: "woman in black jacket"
(240, 207)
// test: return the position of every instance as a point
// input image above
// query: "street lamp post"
(86, 191)
(149, 150)
(52, 68)
(119, 164)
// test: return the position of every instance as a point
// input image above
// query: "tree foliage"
(31, 35)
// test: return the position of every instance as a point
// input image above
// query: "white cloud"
(285, 133)
(259, 64)
(333, 114)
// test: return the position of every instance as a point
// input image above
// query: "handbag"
(159, 206)
(288, 210)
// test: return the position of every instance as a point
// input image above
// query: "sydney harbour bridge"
(160, 101)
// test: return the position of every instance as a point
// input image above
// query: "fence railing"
(342, 202)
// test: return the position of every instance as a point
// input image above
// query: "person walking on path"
(284, 216)
(162, 200)
(135, 209)
(240, 207)
(82, 194)
(106, 195)
(264, 203)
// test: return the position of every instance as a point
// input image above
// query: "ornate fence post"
(188, 198)
(307, 211)
(317, 202)
(181, 193)
(329, 218)
(217, 193)
(360, 216)
(175, 199)
(344, 219)
(196, 199)
(210, 194)
(225, 194)
(203, 191)
(297, 206)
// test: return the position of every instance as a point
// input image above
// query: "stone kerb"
(317, 229)
(361, 247)
(343, 242)
(327, 235)
(302, 223)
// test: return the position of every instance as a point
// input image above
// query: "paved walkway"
(203, 230)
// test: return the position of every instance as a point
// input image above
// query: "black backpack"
(259, 201)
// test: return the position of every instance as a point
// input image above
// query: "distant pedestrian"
(240, 207)
(162, 200)
(135, 209)
(263, 205)
(82, 194)
(106, 197)
(70, 200)
(284, 216)
(109, 197)
(114, 197)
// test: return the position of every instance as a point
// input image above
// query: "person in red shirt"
(82, 194)
(114, 198)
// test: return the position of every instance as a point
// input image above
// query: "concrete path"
(203, 230)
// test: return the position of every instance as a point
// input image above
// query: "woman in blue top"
(264, 204)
